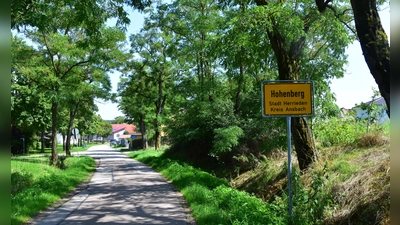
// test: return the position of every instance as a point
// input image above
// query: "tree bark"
(54, 153)
(288, 59)
(374, 44)
(145, 143)
(64, 140)
(157, 141)
(303, 141)
(42, 142)
(160, 103)
(72, 115)
(68, 142)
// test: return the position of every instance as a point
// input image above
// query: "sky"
(355, 87)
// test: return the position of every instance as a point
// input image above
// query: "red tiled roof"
(130, 128)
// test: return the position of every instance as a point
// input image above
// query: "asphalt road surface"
(122, 191)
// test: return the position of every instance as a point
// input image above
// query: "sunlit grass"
(35, 185)
(211, 199)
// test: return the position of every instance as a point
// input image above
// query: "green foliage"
(309, 202)
(67, 68)
(345, 168)
(119, 120)
(35, 185)
(103, 128)
(211, 200)
(350, 129)
(374, 112)
(225, 139)
(210, 127)
(20, 180)
(337, 131)
(240, 208)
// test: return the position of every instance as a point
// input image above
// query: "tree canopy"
(192, 74)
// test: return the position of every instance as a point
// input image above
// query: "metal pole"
(288, 119)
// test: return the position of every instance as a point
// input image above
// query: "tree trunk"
(72, 114)
(145, 143)
(68, 142)
(159, 110)
(158, 139)
(64, 139)
(288, 59)
(157, 135)
(374, 44)
(42, 142)
(54, 153)
(303, 141)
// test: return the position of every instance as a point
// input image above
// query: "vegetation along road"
(190, 79)
(122, 190)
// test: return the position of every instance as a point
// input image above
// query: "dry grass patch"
(364, 197)
(357, 179)
(372, 139)
(269, 178)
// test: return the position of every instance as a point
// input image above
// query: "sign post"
(289, 140)
(288, 99)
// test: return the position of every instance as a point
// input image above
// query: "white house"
(120, 133)
(380, 102)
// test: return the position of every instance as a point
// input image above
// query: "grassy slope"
(36, 185)
(346, 184)
(357, 179)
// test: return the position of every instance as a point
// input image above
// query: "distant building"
(120, 133)
(344, 112)
(380, 102)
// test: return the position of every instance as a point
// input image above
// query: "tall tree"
(373, 40)
(136, 108)
(83, 92)
(52, 17)
(103, 127)
(150, 75)
(30, 108)
(62, 53)
(289, 42)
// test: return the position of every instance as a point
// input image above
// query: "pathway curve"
(122, 191)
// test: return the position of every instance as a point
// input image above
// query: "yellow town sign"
(287, 98)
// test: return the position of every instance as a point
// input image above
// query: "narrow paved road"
(122, 191)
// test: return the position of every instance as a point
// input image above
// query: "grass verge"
(348, 184)
(211, 199)
(35, 185)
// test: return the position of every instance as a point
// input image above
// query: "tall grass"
(350, 132)
(211, 199)
(35, 185)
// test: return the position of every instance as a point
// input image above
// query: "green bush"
(241, 208)
(309, 203)
(348, 132)
(20, 180)
(225, 139)
(337, 131)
